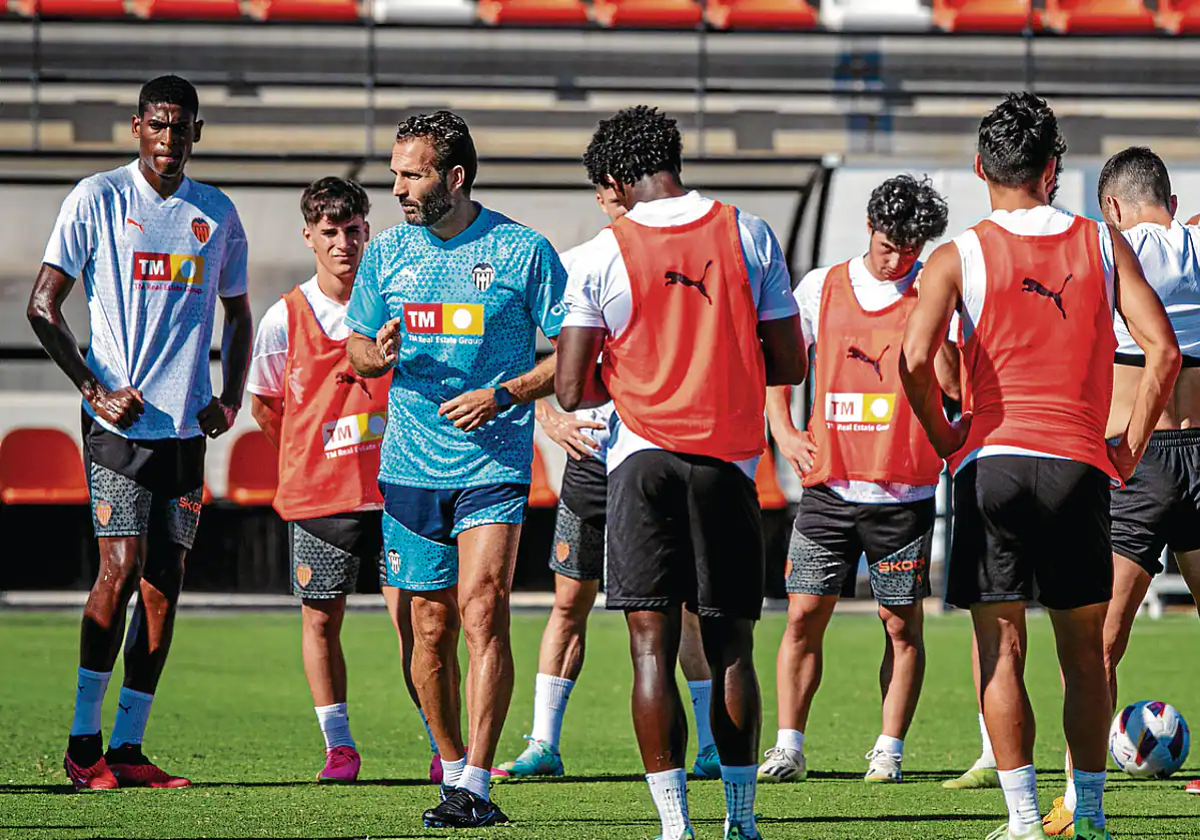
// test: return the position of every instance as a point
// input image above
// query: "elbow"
(569, 394)
(788, 371)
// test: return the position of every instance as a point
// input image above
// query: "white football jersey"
(152, 269)
(1170, 258)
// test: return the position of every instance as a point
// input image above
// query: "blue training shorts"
(420, 526)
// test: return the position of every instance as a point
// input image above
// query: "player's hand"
(567, 431)
(955, 439)
(800, 451)
(1123, 457)
(121, 408)
(216, 418)
(471, 410)
(387, 340)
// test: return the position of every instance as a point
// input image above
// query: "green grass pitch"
(233, 713)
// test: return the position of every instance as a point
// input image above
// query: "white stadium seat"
(424, 11)
(875, 14)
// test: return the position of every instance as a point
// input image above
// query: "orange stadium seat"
(770, 494)
(72, 8)
(1179, 16)
(40, 467)
(1099, 16)
(668, 14)
(253, 470)
(536, 12)
(541, 494)
(188, 9)
(985, 15)
(761, 14)
(331, 10)
(1195, 220)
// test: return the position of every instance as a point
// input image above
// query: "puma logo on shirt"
(1031, 285)
(344, 378)
(674, 277)
(859, 355)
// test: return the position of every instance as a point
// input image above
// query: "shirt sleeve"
(234, 281)
(808, 302)
(584, 298)
(269, 360)
(763, 253)
(73, 240)
(545, 286)
(367, 312)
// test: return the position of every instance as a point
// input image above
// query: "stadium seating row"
(1062, 16)
(44, 466)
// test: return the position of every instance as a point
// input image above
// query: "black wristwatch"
(503, 397)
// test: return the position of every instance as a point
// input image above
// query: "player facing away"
(155, 250)
(1160, 503)
(1035, 287)
(869, 473)
(449, 305)
(577, 561)
(690, 302)
(327, 424)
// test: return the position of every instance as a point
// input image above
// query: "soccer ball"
(1149, 739)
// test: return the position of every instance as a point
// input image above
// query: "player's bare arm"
(567, 431)
(924, 340)
(783, 350)
(947, 368)
(268, 414)
(121, 407)
(373, 357)
(796, 445)
(237, 338)
(577, 382)
(1150, 327)
(471, 410)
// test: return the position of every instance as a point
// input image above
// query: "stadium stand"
(541, 494)
(305, 10)
(188, 9)
(986, 15)
(874, 14)
(253, 470)
(425, 11)
(534, 12)
(85, 9)
(1179, 17)
(1124, 17)
(761, 14)
(675, 14)
(41, 466)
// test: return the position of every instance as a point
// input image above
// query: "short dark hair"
(1136, 174)
(169, 90)
(1018, 139)
(632, 144)
(336, 199)
(907, 211)
(451, 139)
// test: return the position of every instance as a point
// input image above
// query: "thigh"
(824, 547)
(1141, 510)
(1072, 554)
(579, 524)
(897, 539)
(725, 525)
(487, 560)
(419, 553)
(649, 547)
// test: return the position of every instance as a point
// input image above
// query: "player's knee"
(804, 624)
(485, 616)
(121, 567)
(434, 621)
(903, 630)
(324, 617)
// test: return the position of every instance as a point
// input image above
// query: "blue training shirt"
(471, 307)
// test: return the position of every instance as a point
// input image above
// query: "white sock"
(790, 739)
(1089, 789)
(335, 725)
(550, 695)
(452, 771)
(701, 691)
(741, 785)
(986, 757)
(89, 697)
(1020, 793)
(1069, 796)
(133, 710)
(428, 732)
(669, 789)
(476, 780)
(886, 743)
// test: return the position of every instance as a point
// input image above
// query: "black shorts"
(326, 552)
(1028, 528)
(1160, 505)
(579, 527)
(831, 534)
(684, 529)
(143, 486)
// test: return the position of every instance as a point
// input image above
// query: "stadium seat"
(424, 11)
(534, 12)
(668, 14)
(541, 494)
(188, 9)
(253, 470)
(72, 8)
(985, 15)
(1125, 17)
(1179, 16)
(41, 467)
(343, 10)
(1195, 220)
(761, 14)
(770, 494)
(874, 14)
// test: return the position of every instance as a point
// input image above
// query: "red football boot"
(132, 769)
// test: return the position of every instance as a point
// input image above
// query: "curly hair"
(907, 211)
(169, 90)
(451, 139)
(336, 199)
(1018, 139)
(632, 144)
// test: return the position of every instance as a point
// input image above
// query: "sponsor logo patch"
(104, 512)
(886, 566)
(393, 560)
(482, 276)
(876, 409)
(163, 271)
(562, 551)
(352, 431)
(303, 574)
(192, 505)
(444, 318)
(201, 230)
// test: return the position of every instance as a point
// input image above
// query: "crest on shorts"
(393, 559)
(482, 276)
(562, 551)
(303, 574)
(201, 229)
(103, 512)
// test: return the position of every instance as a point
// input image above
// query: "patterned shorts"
(326, 553)
(579, 526)
(123, 508)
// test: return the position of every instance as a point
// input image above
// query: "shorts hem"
(719, 612)
(638, 604)
(126, 532)
(795, 589)
(1152, 565)
(574, 574)
(967, 603)
(422, 586)
(320, 596)
(900, 602)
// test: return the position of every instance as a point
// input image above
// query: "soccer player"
(577, 561)
(1160, 504)
(690, 302)
(448, 305)
(155, 250)
(869, 473)
(327, 424)
(1035, 289)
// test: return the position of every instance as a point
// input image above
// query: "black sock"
(85, 750)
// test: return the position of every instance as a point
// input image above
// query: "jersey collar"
(472, 231)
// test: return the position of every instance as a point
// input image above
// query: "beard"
(434, 207)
